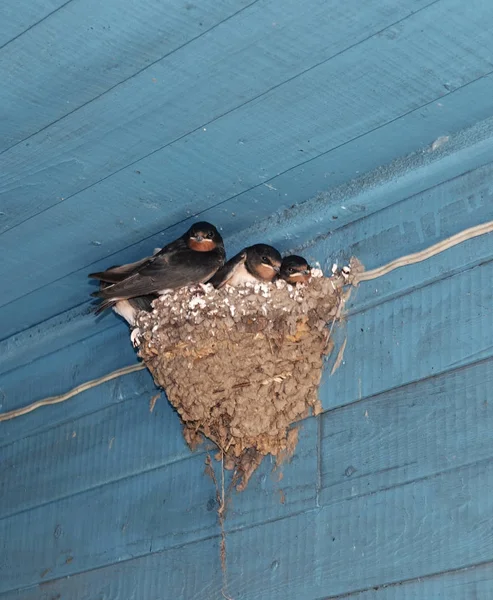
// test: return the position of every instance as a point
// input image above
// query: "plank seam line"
(369, 215)
(255, 98)
(417, 287)
(428, 477)
(51, 352)
(356, 401)
(319, 488)
(60, 314)
(44, 430)
(414, 288)
(35, 25)
(413, 258)
(17, 412)
(417, 579)
(439, 247)
(413, 382)
(225, 201)
(137, 556)
(318, 450)
(163, 57)
(302, 246)
(117, 480)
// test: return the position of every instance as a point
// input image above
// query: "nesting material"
(240, 365)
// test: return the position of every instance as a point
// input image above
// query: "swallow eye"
(209, 235)
(265, 260)
(290, 270)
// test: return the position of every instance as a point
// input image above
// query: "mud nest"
(241, 365)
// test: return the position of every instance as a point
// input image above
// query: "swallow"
(191, 259)
(259, 262)
(128, 309)
(295, 269)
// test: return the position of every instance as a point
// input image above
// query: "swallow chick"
(295, 269)
(191, 259)
(259, 262)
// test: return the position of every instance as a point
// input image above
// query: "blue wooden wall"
(304, 124)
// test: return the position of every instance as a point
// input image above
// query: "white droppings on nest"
(240, 365)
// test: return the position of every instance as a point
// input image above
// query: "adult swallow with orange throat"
(128, 309)
(257, 263)
(295, 269)
(191, 259)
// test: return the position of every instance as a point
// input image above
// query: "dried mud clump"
(240, 365)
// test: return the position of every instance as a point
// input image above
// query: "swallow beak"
(199, 238)
(276, 269)
(307, 272)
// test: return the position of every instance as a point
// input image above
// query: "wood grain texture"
(60, 371)
(181, 93)
(429, 331)
(298, 124)
(412, 531)
(49, 74)
(464, 584)
(408, 226)
(19, 17)
(137, 514)
(286, 230)
(257, 159)
(432, 426)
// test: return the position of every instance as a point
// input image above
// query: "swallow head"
(295, 269)
(263, 261)
(203, 237)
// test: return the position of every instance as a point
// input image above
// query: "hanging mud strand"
(223, 497)
(240, 365)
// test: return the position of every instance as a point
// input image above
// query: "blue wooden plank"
(64, 369)
(48, 74)
(472, 583)
(411, 225)
(408, 532)
(108, 445)
(20, 15)
(465, 584)
(121, 441)
(376, 178)
(192, 572)
(179, 94)
(463, 201)
(59, 332)
(414, 432)
(407, 429)
(431, 330)
(264, 156)
(137, 515)
(470, 150)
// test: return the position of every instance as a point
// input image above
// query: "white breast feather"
(241, 276)
(125, 310)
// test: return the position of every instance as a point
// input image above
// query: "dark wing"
(143, 302)
(170, 270)
(139, 302)
(224, 274)
(116, 274)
